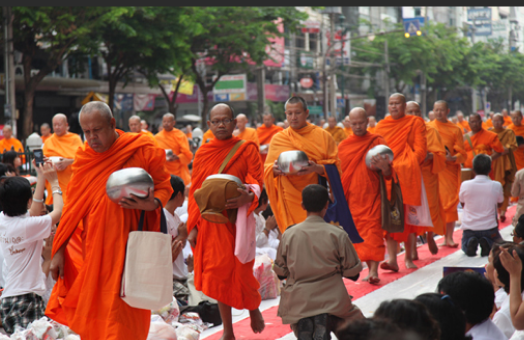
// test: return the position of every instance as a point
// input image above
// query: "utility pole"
(293, 64)
(386, 71)
(332, 62)
(261, 80)
(10, 106)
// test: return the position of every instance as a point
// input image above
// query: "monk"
(462, 123)
(336, 131)
(431, 116)
(175, 140)
(482, 141)
(362, 190)
(10, 143)
(285, 191)
(450, 177)
(218, 272)
(488, 124)
(434, 163)
(45, 132)
(518, 128)
(508, 119)
(244, 132)
(144, 125)
(266, 132)
(504, 168)
(347, 126)
(135, 126)
(372, 124)
(88, 299)
(454, 120)
(189, 131)
(406, 136)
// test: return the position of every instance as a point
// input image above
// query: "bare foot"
(366, 279)
(432, 245)
(410, 264)
(414, 256)
(389, 266)
(374, 280)
(227, 337)
(450, 244)
(257, 321)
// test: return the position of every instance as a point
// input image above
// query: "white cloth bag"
(147, 280)
(419, 215)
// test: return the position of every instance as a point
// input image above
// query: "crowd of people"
(319, 225)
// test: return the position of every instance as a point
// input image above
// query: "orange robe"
(464, 126)
(338, 133)
(189, 135)
(504, 167)
(362, 191)
(518, 153)
(44, 138)
(149, 134)
(406, 136)
(450, 177)
(12, 144)
(176, 140)
(207, 135)
(483, 142)
(285, 192)
(249, 134)
(372, 129)
(265, 134)
(88, 300)
(218, 272)
(507, 121)
(487, 124)
(348, 131)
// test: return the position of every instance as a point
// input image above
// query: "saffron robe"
(348, 131)
(504, 167)
(207, 135)
(372, 129)
(487, 124)
(44, 138)
(464, 126)
(176, 140)
(484, 142)
(265, 134)
(519, 152)
(337, 132)
(12, 144)
(249, 134)
(507, 121)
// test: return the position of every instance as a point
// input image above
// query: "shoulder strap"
(230, 155)
(470, 144)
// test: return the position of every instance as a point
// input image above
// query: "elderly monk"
(347, 126)
(518, 128)
(336, 131)
(45, 132)
(431, 116)
(175, 140)
(508, 118)
(434, 163)
(372, 124)
(406, 136)
(450, 177)
(462, 123)
(488, 124)
(266, 132)
(285, 191)
(362, 190)
(482, 141)
(244, 132)
(218, 272)
(88, 299)
(135, 125)
(504, 168)
(10, 143)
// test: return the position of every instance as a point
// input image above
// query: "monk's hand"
(312, 168)
(192, 237)
(505, 152)
(450, 158)
(134, 202)
(176, 249)
(495, 155)
(172, 158)
(381, 162)
(244, 198)
(63, 163)
(277, 171)
(57, 264)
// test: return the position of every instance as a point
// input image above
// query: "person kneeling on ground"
(314, 256)
(268, 234)
(480, 198)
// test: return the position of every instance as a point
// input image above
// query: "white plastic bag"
(263, 272)
(159, 330)
(41, 329)
(72, 337)
(187, 333)
(170, 312)
(419, 215)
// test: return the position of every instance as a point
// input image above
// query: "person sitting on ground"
(451, 319)
(13, 162)
(23, 234)
(511, 260)
(268, 234)
(475, 296)
(314, 256)
(410, 316)
(480, 198)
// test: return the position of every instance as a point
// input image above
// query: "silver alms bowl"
(379, 149)
(226, 176)
(291, 162)
(123, 183)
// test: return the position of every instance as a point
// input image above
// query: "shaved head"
(219, 108)
(413, 108)
(45, 130)
(358, 121)
(134, 124)
(221, 122)
(431, 115)
(60, 124)
(398, 95)
(475, 122)
(268, 119)
(332, 122)
(397, 105)
(8, 131)
(143, 124)
(516, 118)
(98, 125)
(241, 122)
(100, 107)
(168, 122)
(498, 121)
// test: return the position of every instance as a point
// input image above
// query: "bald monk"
(266, 132)
(406, 136)
(336, 131)
(244, 132)
(431, 116)
(347, 126)
(144, 125)
(135, 125)
(10, 143)
(45, 132)
(88, 299)
(482, 141)
(434, 163)
(508, 119)
(450, 177)
(518, 128)
(362, 190)
(504, 168)
(372, 124)
(454, 120)
(218, 272)
(462, 123)
(488, 124)
(175, 140)
(285, 191)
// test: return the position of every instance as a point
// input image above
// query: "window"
(313, 39)
(418, 11)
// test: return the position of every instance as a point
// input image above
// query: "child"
(22, 234)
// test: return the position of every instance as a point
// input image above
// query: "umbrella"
(191, 118)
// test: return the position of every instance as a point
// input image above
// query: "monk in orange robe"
(488, 124)
(450, 177)
(406, 136)
(462, 123)
(218, 272)
(189, 132)
(266, 132)
(518, 128)
(508, 119)
(88, 299)
(482, 141)
(504, 168)
(336, 131)
(175, 140)
(285, 191)
(208, 136)
(347, 126)
(45, 132)
(362, 190)
(372, 124)
(10, 143)
(434, 163)
(244, 132)
(135, 126)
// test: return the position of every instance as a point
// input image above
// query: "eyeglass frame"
(223, 121)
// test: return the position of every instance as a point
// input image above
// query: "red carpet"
(274, 327)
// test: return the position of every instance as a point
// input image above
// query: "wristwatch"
(58, 191)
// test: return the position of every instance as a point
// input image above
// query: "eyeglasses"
(224, 121)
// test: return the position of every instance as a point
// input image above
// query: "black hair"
(450, 318)
(471, 292)
(519, 228)
(442, 102)
(295, 100)
(314, 197)
(482, 164)
(369, 329)
(15, 193)
(178, 186)
(409, 315)
(9, 157)
(263, 199)
(502, 273)
(3, 169)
